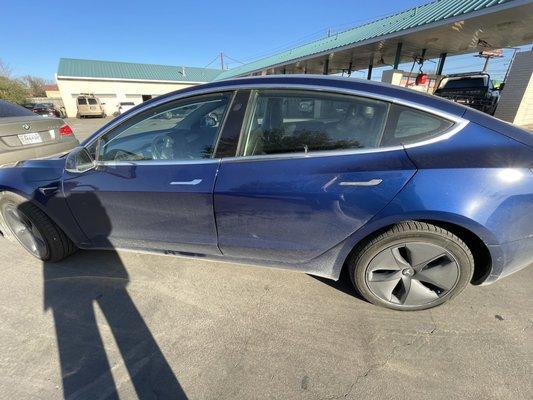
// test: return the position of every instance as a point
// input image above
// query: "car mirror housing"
(79, 160)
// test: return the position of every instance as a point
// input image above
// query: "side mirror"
(79, 160)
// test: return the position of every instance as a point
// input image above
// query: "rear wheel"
(34, 230)
(412, 266)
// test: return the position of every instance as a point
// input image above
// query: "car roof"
(323, 82)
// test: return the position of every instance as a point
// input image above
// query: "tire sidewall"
(463, 258)
(16, 201)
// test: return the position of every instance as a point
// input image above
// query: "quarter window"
(304, 121)
(182, 130)
(407, 125)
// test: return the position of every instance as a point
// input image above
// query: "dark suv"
(473, 89)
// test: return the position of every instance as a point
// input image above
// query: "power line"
(233, 59)
(214, 59)
(320, 32)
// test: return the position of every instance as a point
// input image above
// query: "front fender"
(28, 178)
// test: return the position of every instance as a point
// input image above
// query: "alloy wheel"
(412, 274)
(25, 231)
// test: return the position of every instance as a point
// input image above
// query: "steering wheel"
(122, 155)
(163, 148)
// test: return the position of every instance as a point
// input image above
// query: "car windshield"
(12, 110)
(462, 83)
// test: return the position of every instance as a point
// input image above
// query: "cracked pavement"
(238, 332)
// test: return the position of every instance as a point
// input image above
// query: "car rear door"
(153, 188)
(308, 175)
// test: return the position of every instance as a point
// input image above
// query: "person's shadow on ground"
(73, 289)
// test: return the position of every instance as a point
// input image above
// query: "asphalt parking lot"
(161, 327)
(84, 127)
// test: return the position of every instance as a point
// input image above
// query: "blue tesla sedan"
(414, 195)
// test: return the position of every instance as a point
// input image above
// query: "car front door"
(308, 174)
(153, 185)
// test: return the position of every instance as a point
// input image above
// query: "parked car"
(415, 196)
(24, 135)
(89, 106)
(124, 106)
(473, 89)
(46, 110)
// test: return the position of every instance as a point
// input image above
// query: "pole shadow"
(73, 289)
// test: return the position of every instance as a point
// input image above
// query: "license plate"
(30, 138)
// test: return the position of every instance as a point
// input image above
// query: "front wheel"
(411, 266)
(34, 230)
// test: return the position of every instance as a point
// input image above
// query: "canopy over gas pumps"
(434, 30)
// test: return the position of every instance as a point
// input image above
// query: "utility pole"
(487, 55)
(222, 60)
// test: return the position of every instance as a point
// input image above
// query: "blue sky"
(185, 32)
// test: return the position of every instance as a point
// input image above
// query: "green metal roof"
(415, 17)
(70, 67)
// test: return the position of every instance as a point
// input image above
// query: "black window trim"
(233, 123)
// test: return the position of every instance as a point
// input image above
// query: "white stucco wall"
(516, 101)
(111, 92)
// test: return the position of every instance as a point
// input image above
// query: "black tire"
(55, 244)
(373, 281)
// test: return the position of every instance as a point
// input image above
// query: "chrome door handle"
(193, 182)
(371, 182)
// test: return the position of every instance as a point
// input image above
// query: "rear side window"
(82, 101)
(291, 121)
(407, 125)
(12, 110)
(464, 83)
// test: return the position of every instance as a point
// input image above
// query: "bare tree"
(5, 69)
(34, 85)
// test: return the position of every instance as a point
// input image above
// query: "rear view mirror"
(79, 160)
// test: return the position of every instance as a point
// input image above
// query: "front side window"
(181, 130)
(291, 121)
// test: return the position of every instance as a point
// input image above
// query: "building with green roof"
(114, 82)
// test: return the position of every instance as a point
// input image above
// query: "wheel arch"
(476, 237)
(71, 231)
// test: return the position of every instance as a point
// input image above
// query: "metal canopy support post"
(326, 66)
(370, 66)
(440, 65)
(398, 56)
